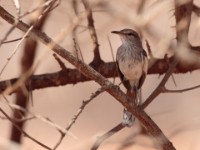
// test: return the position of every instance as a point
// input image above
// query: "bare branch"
(145, 120)
(165, 90)
(158, 90)
(25, 35)
(108, 134)
(48, 3)
(108, 70)
(183, 17)
(62, 65)
(22, 97)
(97, 58)
(196, 10)
(77, 48)
(84, 104)
(41, 118)
(149, 50)
(22, 131)
(7, 34)
(10, 41)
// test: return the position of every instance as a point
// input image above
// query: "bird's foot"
(128, 118)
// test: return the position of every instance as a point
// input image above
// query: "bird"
(132, 66)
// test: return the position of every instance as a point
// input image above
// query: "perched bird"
(132, 67)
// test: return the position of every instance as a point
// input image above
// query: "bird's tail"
(128, 118)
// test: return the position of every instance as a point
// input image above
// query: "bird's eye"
(130, 34)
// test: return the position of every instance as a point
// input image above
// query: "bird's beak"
(116, 32)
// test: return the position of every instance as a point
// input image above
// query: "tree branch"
(80, 110)
(196, 10)
(160, 139)
(158, 89)
(97, 58)
(108, 134)
(165, 90)
(22, 97)
(108, 70)
(183, 17)
(22, 131)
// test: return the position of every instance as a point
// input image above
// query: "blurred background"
(176, 114)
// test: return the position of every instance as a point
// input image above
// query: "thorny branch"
(146, 121)
(33, 116)
(165, 90)
(107, 69)
(196, 10)
(84, 104)
(97, 59)
(108, 134)
(22, 131)
(174, 65)
(182, 14)
(158, 89)
(22, 97)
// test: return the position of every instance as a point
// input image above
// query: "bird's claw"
(128, 118)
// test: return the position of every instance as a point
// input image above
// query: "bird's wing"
(124, 81)
(145, 67)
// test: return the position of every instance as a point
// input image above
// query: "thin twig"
(112, 54)
(168, 61)
(7, 34)
(25, 133)
(62, 65)
(182, 13)
(92, 31)
(14, 40)
(79, 112)
(74, 34)
(111, 49)
(77, 48)
(108, 134)
(165, 90)
(149, 50)
(151, 127)
(158, 89)
(45, 4)
(2, 41)
(196, 10)
(84, 104)
(24, 36)
(41, 118)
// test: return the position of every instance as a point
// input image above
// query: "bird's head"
(128, 36)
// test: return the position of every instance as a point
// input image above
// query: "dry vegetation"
(179, 55)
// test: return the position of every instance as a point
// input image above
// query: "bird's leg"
(139, 97)
(128, 118)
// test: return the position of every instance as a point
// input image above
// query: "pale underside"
(133, 69)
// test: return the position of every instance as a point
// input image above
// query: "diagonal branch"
(165, 90)
(97, 58)
(196, 10)
(183, 17)
(80, 110)
(151, 127)
(22, 131)
(108, 134)
(158, 89)
(22, 96)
